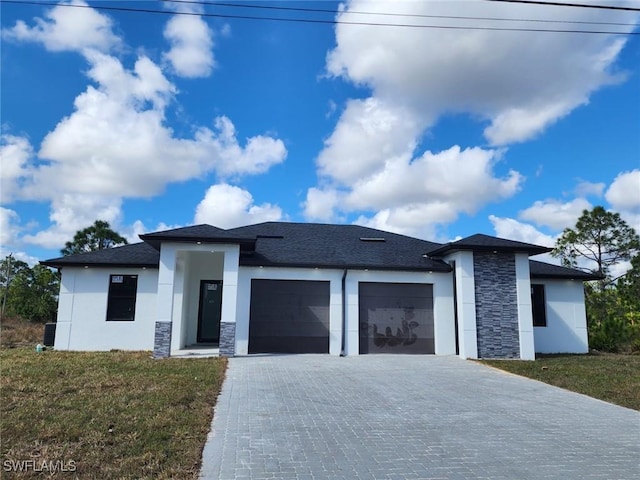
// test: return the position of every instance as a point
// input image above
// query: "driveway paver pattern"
(409, 417)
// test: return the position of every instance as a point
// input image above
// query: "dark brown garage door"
(396, 318)
(289, 316)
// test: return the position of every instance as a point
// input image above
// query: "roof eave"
(156, 240)
(439, 268)
(442, 251)
(54, 264)
(585, 277)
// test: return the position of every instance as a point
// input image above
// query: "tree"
(29, 293)
(599, 240)
(96, 237)
(34, 294)
(628, 288)
(9, 269)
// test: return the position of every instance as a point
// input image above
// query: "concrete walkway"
(409, 417)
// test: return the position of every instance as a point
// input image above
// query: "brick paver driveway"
(409, 417)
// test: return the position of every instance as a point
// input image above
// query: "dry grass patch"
(113, 414)
(609, 377)
(16, 332)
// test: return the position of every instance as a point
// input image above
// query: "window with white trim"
(121, 303)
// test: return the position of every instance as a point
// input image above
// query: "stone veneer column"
(227, 339)
(162, 340)
(496, 305)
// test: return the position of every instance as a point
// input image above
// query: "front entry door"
(209, 311)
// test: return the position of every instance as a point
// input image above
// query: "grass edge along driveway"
(105, 414)
(609, 377)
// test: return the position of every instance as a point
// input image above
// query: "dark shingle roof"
(132, 255)
(196, 233)
(480, 242)
(281, 244)
(312, 245)
(336, 246)
(547, 270)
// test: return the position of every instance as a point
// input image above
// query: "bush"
(612, 327)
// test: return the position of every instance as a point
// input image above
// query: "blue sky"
(160, 120)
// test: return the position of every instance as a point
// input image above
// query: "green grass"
(609, 377)
(113, 414)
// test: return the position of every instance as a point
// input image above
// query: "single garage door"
(396, 318)
(289, 316)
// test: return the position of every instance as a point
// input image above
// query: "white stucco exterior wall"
(466, 303)
(525, 316)
(566, 330)
(246, 274)
(443, 315)
(82, 311)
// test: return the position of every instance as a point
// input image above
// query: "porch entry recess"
(209, 311)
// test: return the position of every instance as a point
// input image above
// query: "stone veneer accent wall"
(496, 305)
(227, 339)
(162, 340)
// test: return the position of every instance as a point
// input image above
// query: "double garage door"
(292, 316)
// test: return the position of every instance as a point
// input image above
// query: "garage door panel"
(396, 318)
(289, 345)
(289, 316)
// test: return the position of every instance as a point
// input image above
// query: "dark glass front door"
(210, 311)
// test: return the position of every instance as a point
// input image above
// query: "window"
(538, 306)
(121, 304)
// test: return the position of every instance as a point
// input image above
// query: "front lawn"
(609, 377)
(104, 415)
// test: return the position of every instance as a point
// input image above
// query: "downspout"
(343, 352)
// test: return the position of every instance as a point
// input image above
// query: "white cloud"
(320, 204)
(132, 232)
(119, 126)
(512, 229)
(15, 155)
(520, 124)
(68, 29)
(72, 212)
(417, 220)
(521, 82)
(556, 214)
(258, 155)
(624, 197)
(522, 232)
(518, 83)
(116, 143)
(10, 241)
(191, 39)
(228, 206)
(368, 133)
(9, 228)
(412, 196)
(461, 179)
(624, 192)
(585, 189)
